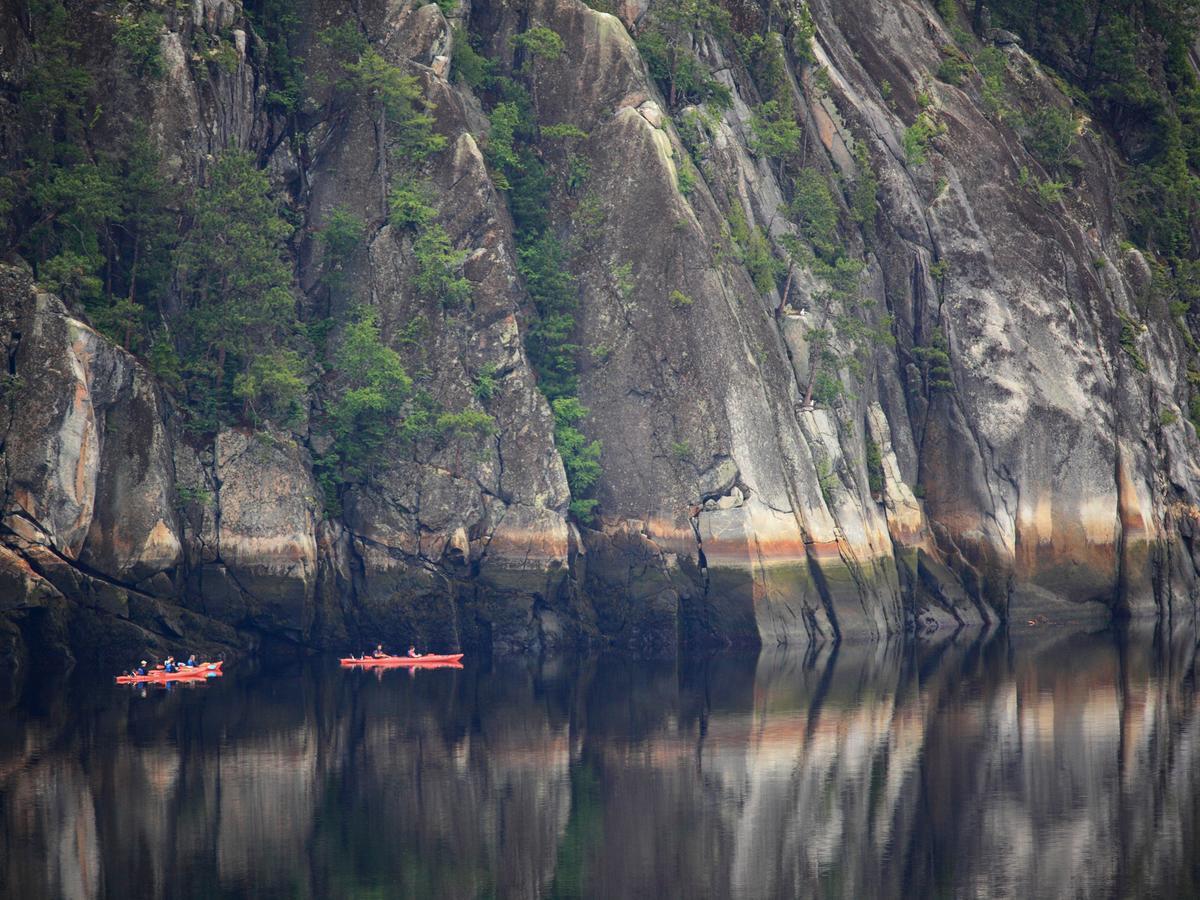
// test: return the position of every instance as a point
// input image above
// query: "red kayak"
(185, 673)
(430, 659)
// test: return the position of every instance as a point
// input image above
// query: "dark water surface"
(1045, 764)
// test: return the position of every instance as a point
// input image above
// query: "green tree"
(518, 169)
(278, 23)
(776, 134)
(342, 237)
(933, 360)
(815, 212)
(234, 284)
(1050, 136)
(1131, 64)
(439, 268)
(273, 387)
(57, 87)
(841, 337)
(803, 32)
(919, 136)
(345, 43)
(468, 64)
(875, 475)
(142, 243)
(993, 66)
(464, 427)
(66, 198)
(543, 266)
(694, 16)
(666, 41)
(409, 204)
(92, 216)
(501, 149)
(372, 390)
(486, 383)
(78, 205)
(538, 43)
(864, 203)
(581, 457)
(400, 112)
(764, 58)
(137, 34)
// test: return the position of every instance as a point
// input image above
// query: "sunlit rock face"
(1039, 467)
(260, 534)
(92, 535)
(1048, 476)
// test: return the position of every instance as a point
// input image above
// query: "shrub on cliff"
(277, 23)
(439, 268)
(401, 109)
(776, 135)
(763, 57)
(918, 138)
(536, 43)
(933, 360)
(462, 428)
(468, 64)
(273, 387)
(341, 238)
(543, 266)
(234, 286)
(665, 42)
(519, 169)
(137, 34)
(371, 391)
(398, 108)
(815, 212)
(1131, 67)
(91, 216)
(1049, 133)
(581, 457)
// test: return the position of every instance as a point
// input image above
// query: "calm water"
(1053, 764)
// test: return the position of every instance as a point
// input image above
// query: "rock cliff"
(1011, 437)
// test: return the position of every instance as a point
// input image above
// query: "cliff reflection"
(1042, 764)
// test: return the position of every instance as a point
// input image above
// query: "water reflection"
(1044, 764)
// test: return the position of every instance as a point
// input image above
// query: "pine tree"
(234, 283)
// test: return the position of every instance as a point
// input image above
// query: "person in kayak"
(413, 654)
(191, 663)
(141, 669)
(378, 653)
(169, 666)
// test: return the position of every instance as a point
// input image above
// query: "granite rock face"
(92, 539)
(1051, 472)
(1054, 471)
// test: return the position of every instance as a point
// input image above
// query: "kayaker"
(169, 666)
(379, 654)
(192, 661)
(141, 669)
(413, 654)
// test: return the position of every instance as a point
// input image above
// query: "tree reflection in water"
(1044, 763)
